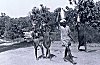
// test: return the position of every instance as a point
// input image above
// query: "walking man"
(66, 40)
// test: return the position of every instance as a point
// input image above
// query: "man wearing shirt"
(66, 40)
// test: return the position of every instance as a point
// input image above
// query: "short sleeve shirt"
(64, 32)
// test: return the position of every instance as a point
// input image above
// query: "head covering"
(62, 21)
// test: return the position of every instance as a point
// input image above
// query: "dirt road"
(25, 56)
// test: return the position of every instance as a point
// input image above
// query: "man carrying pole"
(66, 40)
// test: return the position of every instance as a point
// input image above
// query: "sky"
(20, 8)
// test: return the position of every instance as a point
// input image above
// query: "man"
(47, 40)
(37, 40)
(66, 40)
(81, 37)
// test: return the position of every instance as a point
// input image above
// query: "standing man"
(82, 37)
(37, 34)
(66, 40)
(38, 42)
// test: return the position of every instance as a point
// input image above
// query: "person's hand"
(72, 40)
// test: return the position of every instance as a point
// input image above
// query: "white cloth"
(64, 32)
(62, 14)
(82, 48)
(78, 18)
(62, 20)
(65, 39)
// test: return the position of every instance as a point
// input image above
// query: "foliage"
(89, 16)
(13, 27)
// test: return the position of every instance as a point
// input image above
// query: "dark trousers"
(82, 41)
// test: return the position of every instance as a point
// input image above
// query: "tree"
(87, 16)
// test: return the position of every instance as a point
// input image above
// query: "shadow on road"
(50, 57)
(91, 51)
(15, 46)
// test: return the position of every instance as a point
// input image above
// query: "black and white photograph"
(49, 32)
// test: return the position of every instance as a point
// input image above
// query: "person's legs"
(36, 44)
(47, 52)
(47, 45)
(70, 59)
(65, 52)
(42, 50)
(36, 53)
(69, 56)
(81, 43)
